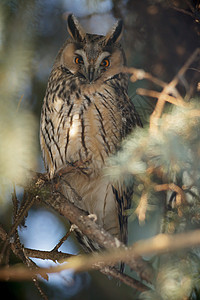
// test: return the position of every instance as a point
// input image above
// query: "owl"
(85, 116)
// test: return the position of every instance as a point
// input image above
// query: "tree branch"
(162, 243)
(40, 188)
(116, 251)
(169, 88)
(56, 255)
(88, 227)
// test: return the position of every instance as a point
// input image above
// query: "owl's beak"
(91, 72)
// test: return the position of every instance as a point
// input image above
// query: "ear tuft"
(115, 34)
(75, 29)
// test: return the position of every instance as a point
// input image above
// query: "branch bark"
(116, 251)
(39, 188)
(88, 226)
(162, 243)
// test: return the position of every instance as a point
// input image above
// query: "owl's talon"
(73, 227)
(92, 217)
(117, 243)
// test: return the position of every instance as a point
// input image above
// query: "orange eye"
(105, 63)
(78, 60)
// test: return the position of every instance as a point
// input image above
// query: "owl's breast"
(93, 132)
(85, 131)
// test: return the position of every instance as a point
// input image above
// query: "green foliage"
(171, 155)
(173, 149)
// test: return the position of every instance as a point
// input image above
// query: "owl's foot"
(92, 217)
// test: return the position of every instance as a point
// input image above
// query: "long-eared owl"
(85, 115)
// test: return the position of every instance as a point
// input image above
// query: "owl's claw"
(92, 217)
(73, 227)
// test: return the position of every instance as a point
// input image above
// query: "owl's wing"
(130, 116)
(123, 195)
(123, 191)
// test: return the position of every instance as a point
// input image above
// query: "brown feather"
(84, 118)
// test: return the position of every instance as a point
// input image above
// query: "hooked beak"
(91, 72)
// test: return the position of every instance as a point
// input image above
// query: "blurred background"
(159, 36)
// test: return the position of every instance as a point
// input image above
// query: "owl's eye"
(105, 63)
(78, 60)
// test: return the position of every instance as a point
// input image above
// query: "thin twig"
(62, 240)
(173, 187)
(169, 88)
(15, 203)
(53, 255)
(142, 207)
(125, 279)
(60, 256)
(139, 74)
(180, 195)
(161, 243)
(41, 292)
(17, 222)
(184, 68)
(42, 254)
(155, 94)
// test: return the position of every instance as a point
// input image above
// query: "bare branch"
(162, 243)
(92, 230)
(168, 98)
(139, 74)
(172, 187)
(169, 88)
(53, 255)
(56, 255)
(44, 190)
(17, 222)
(142, 207)
(125, 279)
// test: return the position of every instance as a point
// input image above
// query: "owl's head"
(90, 56)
